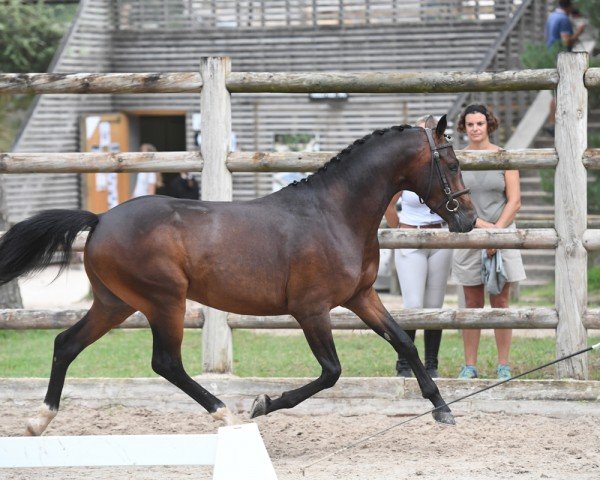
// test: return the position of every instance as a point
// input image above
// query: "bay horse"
(301, 251)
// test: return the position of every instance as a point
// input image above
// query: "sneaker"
(503, 372)
(467, 372)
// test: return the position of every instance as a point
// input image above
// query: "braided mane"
(346, 152)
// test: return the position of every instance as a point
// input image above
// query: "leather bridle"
(450, 196)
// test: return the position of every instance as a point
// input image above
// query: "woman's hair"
(492, 121)
(428, 121)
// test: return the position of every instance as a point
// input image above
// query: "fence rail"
(216, 82)
(283, 82)
(408, 318)
(80, 162)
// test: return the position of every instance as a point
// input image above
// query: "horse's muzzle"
(462, 223)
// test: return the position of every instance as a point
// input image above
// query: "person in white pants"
(422, 273)
(145, 182)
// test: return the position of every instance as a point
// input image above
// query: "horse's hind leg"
(101, 318)
(167, 334)
(367, 305)
(317, 330)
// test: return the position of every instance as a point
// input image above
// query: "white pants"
(423, 276)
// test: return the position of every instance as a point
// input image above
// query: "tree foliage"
(29, 35)
(591, 10)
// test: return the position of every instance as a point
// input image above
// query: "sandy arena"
(481, 446)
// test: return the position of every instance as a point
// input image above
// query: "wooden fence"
(215, 82)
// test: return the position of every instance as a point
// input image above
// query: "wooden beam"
(80, 162)
(591, 240)
(591, 159)
(100, 162)
(521, 318)
(282, 82)
(421, 318)
(533, 238)
(24, 319)
(248, 82)
(592, 78)
(516, 159)
(522, 159)
(217, 185)
(391, 82)
(528, 238)
(570, 206)
(173, 82)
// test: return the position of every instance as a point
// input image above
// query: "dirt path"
(481, 446)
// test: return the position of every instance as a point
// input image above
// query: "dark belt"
(430, 225)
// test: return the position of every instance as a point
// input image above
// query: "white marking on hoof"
(37, 425)
(225, 415)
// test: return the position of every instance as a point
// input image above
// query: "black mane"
(346, 152)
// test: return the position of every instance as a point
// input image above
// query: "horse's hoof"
(36, 425)
(260, 405)
(443, 417)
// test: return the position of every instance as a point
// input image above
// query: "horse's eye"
(453, 167)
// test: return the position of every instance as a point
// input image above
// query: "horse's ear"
(441, 126)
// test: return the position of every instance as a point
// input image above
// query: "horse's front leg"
(367, 305)
(317, 330)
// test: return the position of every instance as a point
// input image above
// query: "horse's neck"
(362, 189)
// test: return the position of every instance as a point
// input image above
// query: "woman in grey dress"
(496, 195)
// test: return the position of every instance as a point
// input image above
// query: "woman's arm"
(391, 214)
(513, 197)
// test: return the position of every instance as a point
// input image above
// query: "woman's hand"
(485, 224)
(480, 223)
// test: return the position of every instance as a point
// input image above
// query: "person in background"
(145, 182)
(184, 185)
(560, 36)
(496, 195)
(422, 273)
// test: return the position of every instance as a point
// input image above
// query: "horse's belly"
(241, 293)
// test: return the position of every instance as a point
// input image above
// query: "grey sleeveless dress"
(488, 192)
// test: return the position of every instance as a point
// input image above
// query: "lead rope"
(381, 432)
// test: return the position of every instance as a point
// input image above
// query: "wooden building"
(258, 35)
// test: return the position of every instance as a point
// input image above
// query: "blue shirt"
(558, 23)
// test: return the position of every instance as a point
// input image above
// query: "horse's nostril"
(474, 221)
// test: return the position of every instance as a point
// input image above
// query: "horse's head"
(436, 178)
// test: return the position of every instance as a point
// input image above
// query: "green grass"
(544, 296)
(126, 353)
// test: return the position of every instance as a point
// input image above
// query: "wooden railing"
(571, 239)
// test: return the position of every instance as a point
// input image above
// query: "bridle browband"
(451, 202)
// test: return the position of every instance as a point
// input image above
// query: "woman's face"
(476, 127)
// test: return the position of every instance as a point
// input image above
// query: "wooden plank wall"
(53, 123)
(258, 117)
(348, 35)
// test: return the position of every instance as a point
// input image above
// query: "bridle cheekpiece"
(450, 196)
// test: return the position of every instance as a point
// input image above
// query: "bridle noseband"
(451, 202)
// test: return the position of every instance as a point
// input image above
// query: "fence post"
(215, 111)
(570, 197)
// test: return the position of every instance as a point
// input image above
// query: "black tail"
(30, 245)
